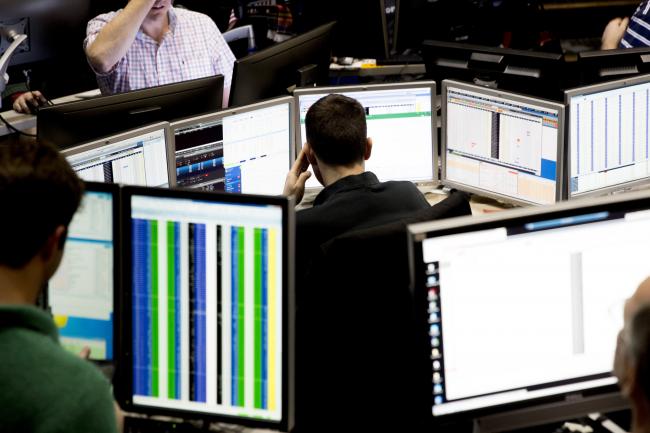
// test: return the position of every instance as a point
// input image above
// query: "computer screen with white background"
(539, 313)
(137, 157)
(609, 136)
(80, 294)
(244, 150)
(501, 144)
(401, 124)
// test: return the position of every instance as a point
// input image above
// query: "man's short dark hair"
(39, 191)
(336, 130)
(639, 347)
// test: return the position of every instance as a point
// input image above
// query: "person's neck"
(156, 27)
(20, 286)
(332, 174)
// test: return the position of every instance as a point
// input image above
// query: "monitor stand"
(574, 406)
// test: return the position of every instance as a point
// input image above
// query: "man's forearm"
(115, 39)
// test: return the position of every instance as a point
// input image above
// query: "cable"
(13, 128)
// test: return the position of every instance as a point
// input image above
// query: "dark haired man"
(337, 147)
(632, 360)
(44, 388)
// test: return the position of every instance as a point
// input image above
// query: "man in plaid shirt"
(149, 43)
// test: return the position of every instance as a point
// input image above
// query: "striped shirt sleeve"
(638, 30)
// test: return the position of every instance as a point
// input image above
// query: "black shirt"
(351, 203)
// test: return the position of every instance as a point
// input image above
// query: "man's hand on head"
(294, 186)
(614, 33)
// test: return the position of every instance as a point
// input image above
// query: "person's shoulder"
(55, 389)
(402, 185)
(404, 190)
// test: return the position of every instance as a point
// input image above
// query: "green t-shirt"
(43, 388)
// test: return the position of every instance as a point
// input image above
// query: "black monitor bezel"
(284, 48)
(550, 66)
(616, 58)
(631, 202)
(136, 102)
(124, 387)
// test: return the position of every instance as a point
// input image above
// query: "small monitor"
(529, 72)
(81, 292)
(502, 145)
(401, 123)
(242, 150)
(142, 156)
(606, 65)
(71, 123)
(275, 71)
(608, 139)
(522, 309)
(208, 303)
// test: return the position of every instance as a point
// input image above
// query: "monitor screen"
(608, 136)
(400, 123)
(80, 294)
(139, 157)
(207, 290)
(513, 149)
(518, 307)
(247, 150)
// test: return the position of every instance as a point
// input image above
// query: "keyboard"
(401, 59)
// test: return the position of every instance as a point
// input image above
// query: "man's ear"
(54, 243)
(368, 152)
(310, 154)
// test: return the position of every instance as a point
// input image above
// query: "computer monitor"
(301, 60)
(608, 136)
(528, 72)
(53, 52)
(401, 123)
(50, 26)
(502, 145)
(81, 292)
(208, 305)
(362, 30)
(142, 156)
(68, 124)
(242, 150)
(606, 65)
(520, 310)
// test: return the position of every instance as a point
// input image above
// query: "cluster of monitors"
(205, 308)
(205, 276)
(195, 285)
(535, 322)
(508, 146)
